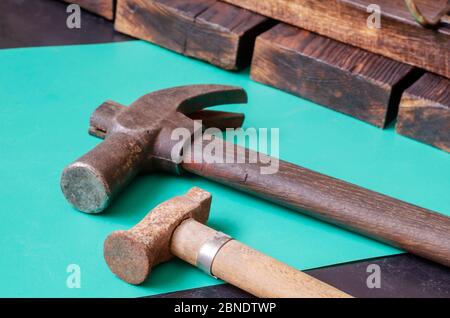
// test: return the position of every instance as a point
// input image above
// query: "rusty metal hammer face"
(138, 139)
(132, 254)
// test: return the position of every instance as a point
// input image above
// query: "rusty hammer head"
(132, 254)
(138, 138)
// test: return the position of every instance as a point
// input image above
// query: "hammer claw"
(218, 119)
(213, 95)
(192, 98)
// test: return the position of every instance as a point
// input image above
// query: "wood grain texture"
(248, 269)
(425, 111)
(347, 79)
(399, 37)
(216, 32)
(105, 8)
(383, 218)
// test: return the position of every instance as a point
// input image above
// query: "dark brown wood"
(216, 32)
(347, 79)
(105, 8)
(409, 227)
(425, 111)
(399, 38)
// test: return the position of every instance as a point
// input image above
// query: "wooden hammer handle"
(248, 269)
(406, 226)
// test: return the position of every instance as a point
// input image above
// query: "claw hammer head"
(139, 138)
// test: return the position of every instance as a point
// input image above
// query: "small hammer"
(138, 140)
(176, 227)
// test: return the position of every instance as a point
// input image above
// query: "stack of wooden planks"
(350, 80)
(284, 58)
(399, 37)
(323, 51)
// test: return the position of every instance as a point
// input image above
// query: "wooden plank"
(210, 30)
(347, 79)
(399, 38)
(105, 8)
(425, 111)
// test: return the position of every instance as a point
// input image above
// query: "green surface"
(46, 98)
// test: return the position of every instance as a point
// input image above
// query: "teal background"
(46, 98)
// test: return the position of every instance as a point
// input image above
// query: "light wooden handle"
(248, 269)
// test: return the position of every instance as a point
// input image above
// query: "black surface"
(218, 291)
(402, 276)
(25, 23)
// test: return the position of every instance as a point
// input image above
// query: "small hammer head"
(132, 254)
(138, 138)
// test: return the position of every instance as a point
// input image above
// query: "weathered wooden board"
(399, 37)
(347, 79)
(105, 8)
(209, 30)
(425, 111)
